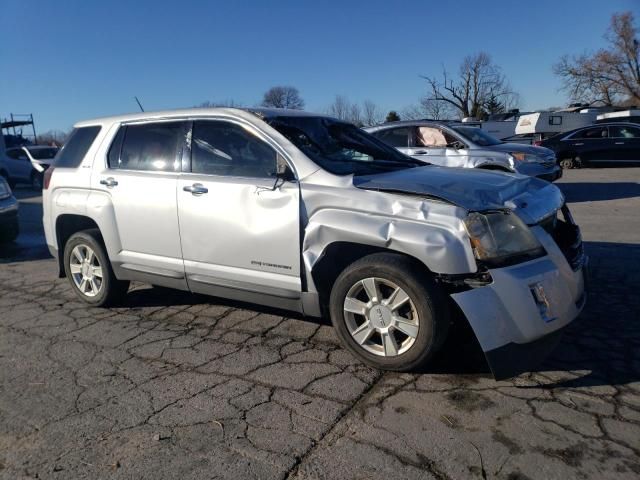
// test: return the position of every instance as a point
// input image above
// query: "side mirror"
(283, 171)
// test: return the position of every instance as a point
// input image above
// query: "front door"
(140, 177)
(239, 223)
(625, 143)
(432, 144)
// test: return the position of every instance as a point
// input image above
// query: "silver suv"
(310, 214)
(451, 144)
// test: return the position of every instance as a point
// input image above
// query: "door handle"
(421, 152)
(109, 182)
(577, 144)
(196, 189)
(619, 143)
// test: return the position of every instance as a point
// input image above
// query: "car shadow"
(598, 348)
(24, 192)
(154, 296)
(588, 191)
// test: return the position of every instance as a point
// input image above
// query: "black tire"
(10, 232)
(37, 180)
(571, 162)
(12, 183)
(111, 290)
(429, 300)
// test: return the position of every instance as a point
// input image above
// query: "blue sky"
(66, 61)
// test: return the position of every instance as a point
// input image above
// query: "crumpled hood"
(518, 147)
(473, 189)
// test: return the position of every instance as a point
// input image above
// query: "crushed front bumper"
(518, 318)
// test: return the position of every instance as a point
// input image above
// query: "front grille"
(567, 236)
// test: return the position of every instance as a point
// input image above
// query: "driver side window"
(431, 137)
(227, 149)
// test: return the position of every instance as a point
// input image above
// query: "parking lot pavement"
(173, 385)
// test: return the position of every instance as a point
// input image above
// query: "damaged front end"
(519, 311)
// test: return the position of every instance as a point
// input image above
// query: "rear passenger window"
(76, 147)
(150, 146)
(624, 131)
(592, 133)
(222, 148)
(396, 137)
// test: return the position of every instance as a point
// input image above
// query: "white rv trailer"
(547, 124)
(630, 115)
(500, 126)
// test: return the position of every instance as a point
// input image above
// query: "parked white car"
(27, 164)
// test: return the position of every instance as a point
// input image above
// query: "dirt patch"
(572, 455)
(512, 446)
(469, 401)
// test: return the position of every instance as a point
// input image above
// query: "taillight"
(47, 177)
(537, 143)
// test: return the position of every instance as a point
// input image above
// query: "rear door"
(397, 137)
(626, 142)
(239, 223)
(591, 144)
(19, 164)
(140, 176)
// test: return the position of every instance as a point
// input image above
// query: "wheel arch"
(338, 255)
(66, 225)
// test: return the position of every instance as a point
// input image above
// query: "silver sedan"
(456, 145)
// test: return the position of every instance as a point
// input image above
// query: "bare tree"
(478, 79)
(223, 103)
(363, 116)
(340, 108)
(283, 97)
(430, 109)
(355, 116)
(53, 138)
(611, 74)
(371, 114)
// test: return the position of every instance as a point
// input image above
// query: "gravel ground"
(174, 385)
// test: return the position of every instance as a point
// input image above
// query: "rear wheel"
(89, 271)
(10, 232)
(5, 174)
(571, 162)
(388, 312)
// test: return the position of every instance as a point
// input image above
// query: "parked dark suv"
(606, 142)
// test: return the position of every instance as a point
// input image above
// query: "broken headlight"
(501, 238)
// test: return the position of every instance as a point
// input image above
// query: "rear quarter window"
(77, 146)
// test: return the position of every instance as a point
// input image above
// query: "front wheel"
(389, 312)
(89, 271)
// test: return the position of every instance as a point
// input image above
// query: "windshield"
(341, 148)
(43, 153)
(477, 136)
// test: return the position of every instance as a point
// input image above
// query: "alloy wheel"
(86, 270)
(381, 317)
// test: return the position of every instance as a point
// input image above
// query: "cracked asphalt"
(173, 385)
